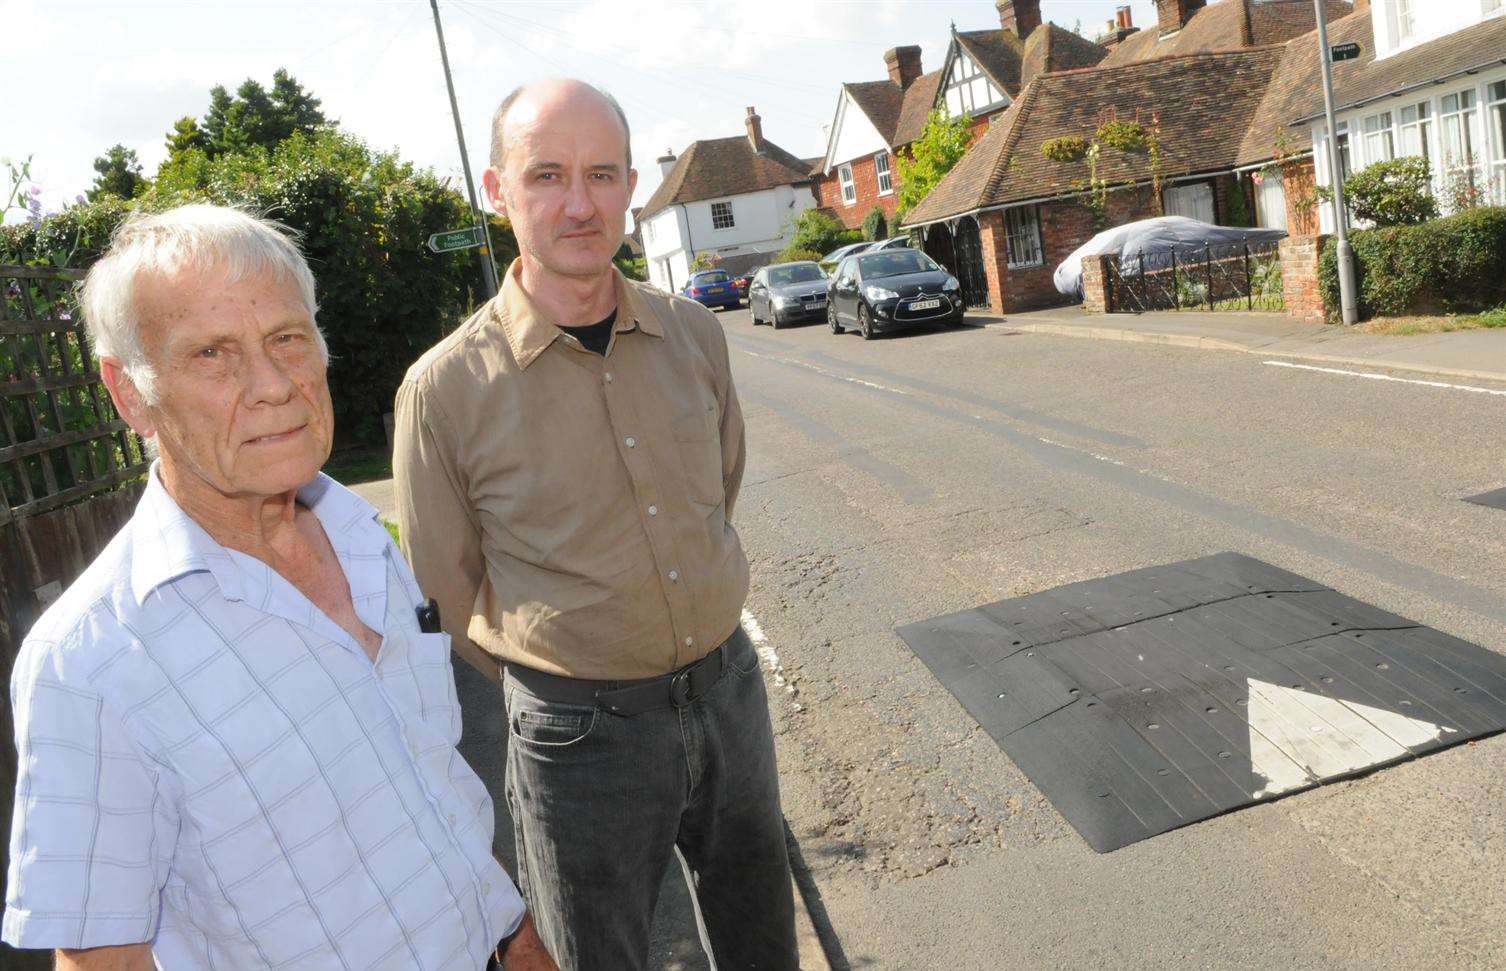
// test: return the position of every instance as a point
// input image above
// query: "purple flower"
(35, 189)
(79, 198)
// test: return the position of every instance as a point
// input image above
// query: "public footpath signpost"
(454, 240)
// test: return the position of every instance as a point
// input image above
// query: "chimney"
(1122, 18)
(755, 130)
(1174, 14)
(1118, 29)
(666, 162)
(903, 64)
(1020, 16)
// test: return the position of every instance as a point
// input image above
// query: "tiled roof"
(920, 98)
(881, 101)
(1000, 53)
(1052, 48)
(1225, 26)
(1205, 104)
(716, 167)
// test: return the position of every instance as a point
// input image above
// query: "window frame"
(1419, 128)
(1016, 228)
(726, 205)
(848, 183)
(886, 174)
(1494, 118)
(1379, 140)
(1462, 120)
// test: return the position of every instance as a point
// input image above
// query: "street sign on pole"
(1343, 52)
(455, 239)
(1348, 307)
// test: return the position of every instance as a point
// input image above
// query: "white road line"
(765, 651)
(825, 371)
(1386, 377)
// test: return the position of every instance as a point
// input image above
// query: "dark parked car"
(712, 288)
(889, 290)
(743, 280)
(786, 292)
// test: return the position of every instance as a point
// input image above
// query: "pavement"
(1470, 354)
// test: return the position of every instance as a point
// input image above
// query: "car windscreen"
(783, 276)
(711, 276)
(894, 263)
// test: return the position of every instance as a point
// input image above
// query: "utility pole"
(488, 268)
(1336, 174)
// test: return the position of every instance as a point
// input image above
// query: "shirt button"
(689, 641)
(674, 574)
(607, 377)
(653, 510)
(452, 819)
(486, 886)
(631, 442)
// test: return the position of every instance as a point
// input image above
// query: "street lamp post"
(1347, 308)
(488, 267)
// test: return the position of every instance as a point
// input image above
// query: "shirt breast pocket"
(698, 442)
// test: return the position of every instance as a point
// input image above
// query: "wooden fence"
(70, 474)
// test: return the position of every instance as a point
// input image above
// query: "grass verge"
(354, 466)
(1441, 324)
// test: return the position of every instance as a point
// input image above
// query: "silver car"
(786, 293)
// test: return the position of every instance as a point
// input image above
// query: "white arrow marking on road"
(1297, 736)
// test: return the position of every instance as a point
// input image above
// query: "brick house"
(736, 198)
(982, 72)
(1221, 86)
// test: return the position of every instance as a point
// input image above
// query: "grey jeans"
(599, 801)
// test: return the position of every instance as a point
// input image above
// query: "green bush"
(1065, 148)
(875, 226)
(1127, 136)
(1394, 193)
(1456, 264)
(365, 217)
(791, 254)
(816, 229)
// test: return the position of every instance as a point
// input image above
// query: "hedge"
(1456, 264)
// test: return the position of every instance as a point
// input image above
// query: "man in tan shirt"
(566, 463)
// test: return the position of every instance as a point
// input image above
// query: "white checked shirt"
(209, 763)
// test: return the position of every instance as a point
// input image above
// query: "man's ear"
(129, 400)
(632, 184)
(491, 187)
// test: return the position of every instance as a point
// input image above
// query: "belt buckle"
(679, 689)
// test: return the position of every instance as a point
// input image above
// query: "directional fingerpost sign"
(1343, 52)
(1149, 700)
(455, 239)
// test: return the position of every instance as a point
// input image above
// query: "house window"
(1022, 234)
(1270, 201)
(1417, 130)
(721, 215)
(1379, 143)
(881, 168)
(1495, 114)
(1488, 7)
(648, 232)
(1456, 116)
(969, 91)
(1406, 26)
(1193, 200)
(849, 187)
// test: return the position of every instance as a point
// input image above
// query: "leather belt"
(627, 698)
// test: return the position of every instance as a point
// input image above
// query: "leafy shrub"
(818, 230)
(942, 143)
(1394, 193)
(1238, 213)
(1127, 136)
(1493, 318)
(1456, 264)
(1065, 148)
(791, 254)
(875, 226)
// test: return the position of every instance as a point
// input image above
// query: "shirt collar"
(167, 543)
(530, 331)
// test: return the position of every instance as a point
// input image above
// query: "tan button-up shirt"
(571, 512)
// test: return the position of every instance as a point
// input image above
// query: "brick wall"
(1095, 295)
(1064, 226)
(1299, 182)
(865, 180)
(1299, 277)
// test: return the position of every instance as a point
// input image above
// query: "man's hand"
(525, 952)
(120, 957)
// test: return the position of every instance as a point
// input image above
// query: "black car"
(786, 292)
(891, 289)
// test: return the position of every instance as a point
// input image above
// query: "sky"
(81, 75)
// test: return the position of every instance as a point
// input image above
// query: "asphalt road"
(894, 480)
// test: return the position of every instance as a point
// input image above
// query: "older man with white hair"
(236, 734)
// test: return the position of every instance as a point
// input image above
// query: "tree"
(185, 136)
(819, 231)
(297, 109)
(218, 137)
(942, 142)
(875, 226)
(119, 174)
(253, 116)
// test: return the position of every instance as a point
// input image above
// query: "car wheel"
(955, 321)
(865, 322)
(774, 318)
(831, 319)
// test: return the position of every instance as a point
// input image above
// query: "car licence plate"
(817, 301)
(925, 304)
